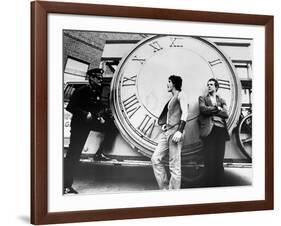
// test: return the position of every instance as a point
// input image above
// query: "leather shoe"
(101, 157)
(69, 190)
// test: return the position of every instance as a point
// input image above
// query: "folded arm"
(222, 110)
(205, 109)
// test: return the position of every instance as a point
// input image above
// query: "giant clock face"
(139, 87)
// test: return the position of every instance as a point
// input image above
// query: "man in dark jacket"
(213, 131)
(86, 107)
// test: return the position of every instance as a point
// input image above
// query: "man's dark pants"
(78, 137)
(214, 145)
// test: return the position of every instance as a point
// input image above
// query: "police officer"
(85, 105)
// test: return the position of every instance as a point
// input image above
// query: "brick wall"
(88, 46)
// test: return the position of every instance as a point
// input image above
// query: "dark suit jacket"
(83, 101)
(207, 111)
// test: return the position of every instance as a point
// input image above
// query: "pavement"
(101, 177)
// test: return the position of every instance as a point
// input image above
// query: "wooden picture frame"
(39, 111)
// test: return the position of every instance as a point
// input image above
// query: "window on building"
(244, 69)
(75, 70)
(244, 72)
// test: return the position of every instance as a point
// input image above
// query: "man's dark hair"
(215, 81)
(177, 81)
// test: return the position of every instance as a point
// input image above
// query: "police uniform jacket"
(83, 101)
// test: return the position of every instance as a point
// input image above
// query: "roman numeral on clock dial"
(131, 81)
(224, 84)
(156, 46)
(131, 105)
(175, 42)
(215, 62)
(147, 125)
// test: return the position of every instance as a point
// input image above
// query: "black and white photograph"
(142, 112)
(147, 112)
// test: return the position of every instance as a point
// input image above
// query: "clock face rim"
(119, 121)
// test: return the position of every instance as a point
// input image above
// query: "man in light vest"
(172, 119)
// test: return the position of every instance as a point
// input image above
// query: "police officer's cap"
(94, 71)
